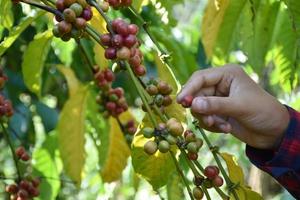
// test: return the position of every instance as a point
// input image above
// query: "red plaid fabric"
(284, 163)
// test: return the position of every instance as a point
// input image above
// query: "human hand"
(228, 100)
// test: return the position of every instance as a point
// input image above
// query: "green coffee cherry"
(198, 193)
(77, 8)
(83, 3)
(172, 140)
(148, 132)
(150, 147)
(69, 15)
(163, 146)
(56, 32)
(192, 147)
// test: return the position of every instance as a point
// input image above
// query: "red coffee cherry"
(60, 5)
(126, 3)
(25, 157)
(117, 40)
(133, 29)
(210, 172)
(87, 14)
(115, 23)
(110, 53)
(217, 181)
(64, 27)
(135, 61)
(12, 189)
(80, 23)
(187, 101)
(20, 151)
(192, 156)
(140, 70)
(105, 39)
(130, 41)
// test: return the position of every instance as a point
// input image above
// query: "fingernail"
(225, 128)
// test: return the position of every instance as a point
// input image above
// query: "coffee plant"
(118, 98)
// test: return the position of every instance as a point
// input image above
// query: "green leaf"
(44, 164)
(63, 50)
(33, 61)
(169, 6)
(71, 129)
(156, 169)
(175, 188)
(138, 4)
(14, 33)
(294, 10)
(6, 17)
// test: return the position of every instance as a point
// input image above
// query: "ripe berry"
(69, 15)
(60, 5)
(123, 53)
(20, 151)
(163, 88)
(69, 2)
(148, 132)
(135, 61)
(12, 189)
(24, 184)
(109, 75)
(150, 147)
(105, 39)
(198, 193)
(117, 40)
(35, 182)
(87, 14)
(64, 27)
(23, 193)
(122, 29)
(131, 130)
(111, 106)
(126, 3)
(167, 100)
(133, 29)
(217, 181)
(192, 156)
(140, 70)
(110, 53)
(114, 3)
(187, 101)
(130, 41)
(58, 18)
(25, 157)
(152, 90)
(198, 180)
(80, 23)
(119, 92)
(210, 172)
(192, 147)
(77, 8)
(163, 146)
(115, 23)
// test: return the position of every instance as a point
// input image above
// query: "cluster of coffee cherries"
(160, 92)
(213, 178)
(117, 4)
(187, 101)
(129, 130)
(111, 100)
(22, 154)
(192, 144)
(165, 135)
(123, 45)
(26, 189)
(6, 109)
(75, 13)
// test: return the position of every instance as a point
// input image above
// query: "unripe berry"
(148, 132)
(58, 18)
(192, 147)
(64, 27)
(123, 53)
(110, 53)
(77, 8)
(68, 3)
(176, 129)
(192, 156)
(187, 101)
(210, 172)
(163, 88)
(150, 147)
(80, 23)
(217, 181)
(172, 140)
(198, 193)
(87, 14)
(152, 90)
(60, 5)
(159, 99)
(133, 29)
(198, 180)
(69, 15)
(105, 39)
(104, 6)
(130, 41)
(163, 146)
(167, 100)
(20, 151)
(56, 32)
(83, 3)
(140, 70)
(189, 136)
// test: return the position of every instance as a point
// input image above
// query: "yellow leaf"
(72, 81)
(117, 154)
(138, 4)
(101, 61)
(235, 171)
(176, 110)
(212, 21)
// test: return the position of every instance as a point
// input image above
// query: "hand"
(228, 100)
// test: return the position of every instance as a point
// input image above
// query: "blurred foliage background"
(262, 36)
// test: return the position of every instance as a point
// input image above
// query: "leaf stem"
(181, 175)
(12, 149)
(44, 7)
(206, 193)
(86, 57)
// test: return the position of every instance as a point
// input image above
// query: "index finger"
(199, 80)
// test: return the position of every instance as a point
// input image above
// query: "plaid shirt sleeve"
(284, 163)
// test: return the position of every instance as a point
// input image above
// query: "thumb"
(215, 105)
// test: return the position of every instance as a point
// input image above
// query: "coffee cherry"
(56, 32)
(35, 182)
(104, 6)
(152, 90)
(176, 129)
(187, 101)
(117, 40)
(198, 180)
(83, 3)
(105, 39)
(58, 18)
(198, 193)
(119, 92)
(167, 100)
(217, 181)
(69, 2)
(164, 88)
(87, 14)
(64, 27)
(192, 156)
(199, 143)
(20, 151)
(80, 23)
(115, 23)
(140, 70)
(12, 189)
(109, 75)
(25, 157)
(132, 130)
(23, 193)
(126, 3)
(148, 132)
(111, 106)
(172, 140)
(69, 15)
(190, 136)
(135, 61)
(163, 146)
(130, 41)
(210, 172)
(192, 147)
(24, 184)
(77, 8)
(110, 53)
(60, 5)
(114, 3)
(159, 99)
(133, 29)
(150, 147)
(123, 53)
(122, 29)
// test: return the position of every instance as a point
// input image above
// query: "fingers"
(200, 79)
(214, 123)
(213, 105)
